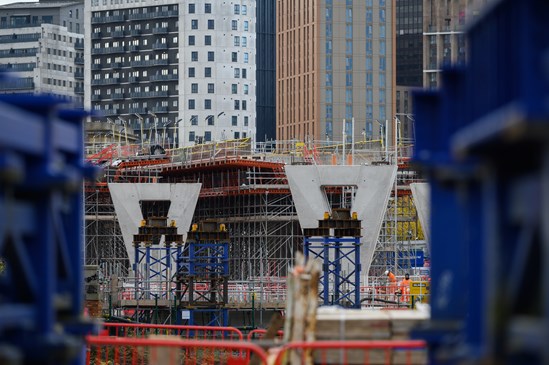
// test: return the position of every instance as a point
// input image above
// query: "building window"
(191, 104)
(191, 136)
(207, 136)
(244, 105)
(237, 73)
(208, 8)
(246, 89)
(234, 88)
(211, 24)
(191, 8)
(194, 120)
(211, 88)
(237, 41)
(207, 104)
(191, 40)
(194, 56)
(244, 73)
(191, 72)
(234, 57)
(236, 9)
(237, 105)
(246, 57)
(194, 88)
(245, 121)
(244, 10)
(244, 42)
(208, 40)
(194, 24)
(207, 72)
(246, 26)
(234, 120)
(236, 135)
(211, 56)
(234, 25)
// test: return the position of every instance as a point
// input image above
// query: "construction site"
(251, 190)
(423, 248)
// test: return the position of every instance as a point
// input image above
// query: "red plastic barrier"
(409, 352)
(141, 351)
(259, 333)
(141, 330)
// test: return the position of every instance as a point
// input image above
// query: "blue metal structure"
(483, 140)
(336, 243)
(203, 272)
(41, 286)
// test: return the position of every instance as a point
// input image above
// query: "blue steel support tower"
(203, 272)
(483, 140)
(41, 246)
(336, 243)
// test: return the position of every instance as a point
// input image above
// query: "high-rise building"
(443, 35)
(334, 63)
(180, 71)
(409, 43)
(42, 43)
(266, 70)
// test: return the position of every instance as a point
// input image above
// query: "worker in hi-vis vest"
(392, 283)
(404, 287)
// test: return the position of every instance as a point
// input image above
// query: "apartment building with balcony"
(180, 72)
(41, 45)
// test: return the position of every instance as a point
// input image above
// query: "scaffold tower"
(203, 275)
(336, 243)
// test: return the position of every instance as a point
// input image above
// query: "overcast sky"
(4, 2)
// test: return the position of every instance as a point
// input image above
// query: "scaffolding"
(246, 188)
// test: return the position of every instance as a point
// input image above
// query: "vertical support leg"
(326, 270)
(338, 290)
(358, 270)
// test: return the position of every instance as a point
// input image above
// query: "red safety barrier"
(141, 351)
(408, 352)
(258, 334)
(141, 330)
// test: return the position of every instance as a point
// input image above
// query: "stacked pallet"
(347, 325)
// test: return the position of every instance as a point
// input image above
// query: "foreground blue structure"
(483, 140)
(41, 286)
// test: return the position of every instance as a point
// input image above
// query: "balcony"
(96, 35)
(117, 34)
(96, 97)
(79, 90)
(160, 30)
(164, 78)
(133, 79)
(135, 32)
(79, 60)
(140, 16)
(29, 52)
(115, 65)
(97, 66)
(166, 14)
(150, 94)
(79, 45)
(133, 48)
(19, 67)
(159, 109)
(111, 81)
(108, 19)
(79, 75)
(111, 112)
(17, 84)
(137, 110)
(117, 96)
(149, 63)
(18, 38)
(108, 50)
(158, 46)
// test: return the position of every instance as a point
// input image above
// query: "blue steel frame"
(202, 262)
(341, 249)
(41, 224)
(160, 265)
(483, 141)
